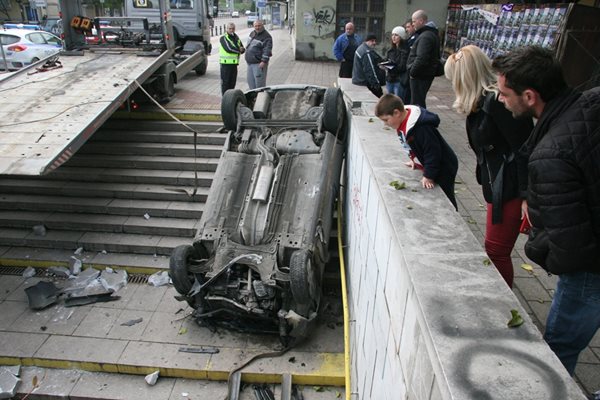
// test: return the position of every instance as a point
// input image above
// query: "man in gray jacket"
(258, 53)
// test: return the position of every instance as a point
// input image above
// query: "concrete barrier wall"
(428, 313)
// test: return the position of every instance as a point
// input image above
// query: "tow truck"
(51, 108)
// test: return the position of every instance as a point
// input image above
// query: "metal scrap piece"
(42, 294)
(199, 350)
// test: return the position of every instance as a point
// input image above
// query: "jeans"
(395, 88)
(257, 76)
(574, 316)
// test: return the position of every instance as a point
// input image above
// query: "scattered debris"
(109, 269)
(8, 383)
(159, 278)
(104, 252)
(409, 207)
(78, 251)
(199, 350)
(62, 272)
(132, 322)
(263, 392)
(39, 230)
(147, 216)
(516, 319)
(13, 369)
(42, 294)
(152, 378)
(29, 272)
(292, 359)
(75, 265)
(75, 300)
(184, 394)
(43, 328)
(113, 281)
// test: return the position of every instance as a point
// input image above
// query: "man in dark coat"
(424, 57)
(366, 71)
(563, 191)
(258, 53)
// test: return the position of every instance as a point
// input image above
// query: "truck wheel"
(334, 112)
(201, 68)
(304, 279)
(229, 107)
(179, 270)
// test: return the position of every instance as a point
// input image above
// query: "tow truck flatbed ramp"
(45, 117)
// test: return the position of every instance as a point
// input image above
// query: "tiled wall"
(428, 315)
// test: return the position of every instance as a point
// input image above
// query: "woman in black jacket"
(396, 76)
(495, 137)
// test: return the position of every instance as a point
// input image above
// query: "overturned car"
(257, 261)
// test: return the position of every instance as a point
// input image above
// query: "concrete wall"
(429, 316)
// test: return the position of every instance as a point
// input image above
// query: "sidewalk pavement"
(534, 289)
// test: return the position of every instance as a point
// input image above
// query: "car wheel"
(201, 68)
(334, 111)
(304, 279)
(34, 60)
(232, 98)
(179, 270)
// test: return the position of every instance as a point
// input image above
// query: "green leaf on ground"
(183, 331)
(409, 207)
(516, 319)
(398, 185)
(487, 262)
(471, 221)
(318, 388)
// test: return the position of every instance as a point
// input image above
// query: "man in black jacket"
(563, 191)
(424, 57)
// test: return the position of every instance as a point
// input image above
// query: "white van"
(191, 19)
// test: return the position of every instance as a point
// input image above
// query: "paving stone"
(56, 319)
(98, 322)
(146, 298)
(11, 311)
(197, 389)
(105, 386)
(51, 383)
(18, 344)
(532, 289)
(164, 355)
(133, 332)
(80, 349)
(170, 305)
(589, 376)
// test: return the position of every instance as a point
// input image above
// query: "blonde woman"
(495, 137)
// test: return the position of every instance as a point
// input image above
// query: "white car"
(23, 47)
(235, 14)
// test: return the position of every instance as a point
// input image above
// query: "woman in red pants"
(495, 137)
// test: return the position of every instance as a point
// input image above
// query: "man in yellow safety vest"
(229, 57)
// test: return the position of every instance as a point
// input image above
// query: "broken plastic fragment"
(159, 278)
(75, 265)
(152, 378)
(132, 322)
(28, 272)
(42, 294)
(39, 230)
(8, 383)
(113, 281)
(60, 271)
(147, 216)
(78, 251)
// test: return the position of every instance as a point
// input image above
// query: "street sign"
(261, 3)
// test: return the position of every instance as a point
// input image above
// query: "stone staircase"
(123, 192)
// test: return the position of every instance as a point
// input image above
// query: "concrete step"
(144, 162)
(122, 175)
(155, 208)
(93, 241)
(100, 189)
(157, 136)
(152, 149)
(138, 224)
(155, 125)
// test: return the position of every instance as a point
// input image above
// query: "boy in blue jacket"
(417, 130)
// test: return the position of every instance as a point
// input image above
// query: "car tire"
(179, 270)
(304, 282)
(232, 98)
(334, 112)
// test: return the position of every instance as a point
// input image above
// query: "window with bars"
(368, 16)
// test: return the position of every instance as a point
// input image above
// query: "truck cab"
(191, 19)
